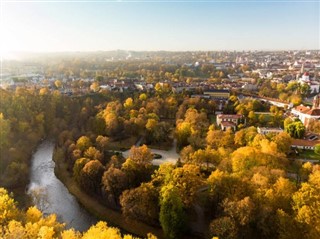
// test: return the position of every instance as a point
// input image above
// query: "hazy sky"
(175, 26)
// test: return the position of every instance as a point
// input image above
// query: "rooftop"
(223, 116)
(304, 142)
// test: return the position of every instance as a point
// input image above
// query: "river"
(51, 196)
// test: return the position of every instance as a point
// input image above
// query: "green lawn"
(307, 154)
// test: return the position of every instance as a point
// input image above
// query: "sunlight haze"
(72, 26)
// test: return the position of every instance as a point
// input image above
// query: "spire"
(302, 68)
(316, 102)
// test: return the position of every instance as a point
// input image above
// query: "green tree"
(172, 215)
(295, 129)
(317, 148)
(4, 131)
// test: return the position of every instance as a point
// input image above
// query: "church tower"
(316, 102)
(302, 68)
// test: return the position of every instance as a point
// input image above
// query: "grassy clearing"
(100, 211)
(306, 154)
(309, 154)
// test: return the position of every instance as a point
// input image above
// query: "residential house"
(304, 143)
(218, 94)
(230, 121)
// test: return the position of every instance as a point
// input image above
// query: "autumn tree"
(224, 227)
(102, 142)
(90, 176)
(242, 212)
(207, 157)
(187, 180)
(306, 204)
(77, 168)
(114, 182)
(83, 143)
(95, 87)
(138, 165)
(245, 136)
(93, 153)
(283, 142)
(141, 203)
(15, 223)
(128, 104)
(58, 84)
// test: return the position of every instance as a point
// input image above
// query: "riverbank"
(100, 211)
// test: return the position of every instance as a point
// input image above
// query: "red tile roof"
(304, 142)
(313, 112)
(222, 116)
(302, 108)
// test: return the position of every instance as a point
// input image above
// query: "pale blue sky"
(174, 26)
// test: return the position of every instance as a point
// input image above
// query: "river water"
(51, 196)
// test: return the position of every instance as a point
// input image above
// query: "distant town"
(266, 76)
(189, 71)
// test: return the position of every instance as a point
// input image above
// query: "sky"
(50, 26)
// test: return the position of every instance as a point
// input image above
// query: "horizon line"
(209, 50)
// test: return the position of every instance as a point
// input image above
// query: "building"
(307, 114)
(266, 130)
(304, 143)
(218, 94)
(230, 121)
(313, 84)
(249, 87)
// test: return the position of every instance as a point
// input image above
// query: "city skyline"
(48, 26)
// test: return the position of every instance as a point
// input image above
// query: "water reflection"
(50, 195)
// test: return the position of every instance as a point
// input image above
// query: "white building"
(314, 85)
(266, 130)
(306, 114)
